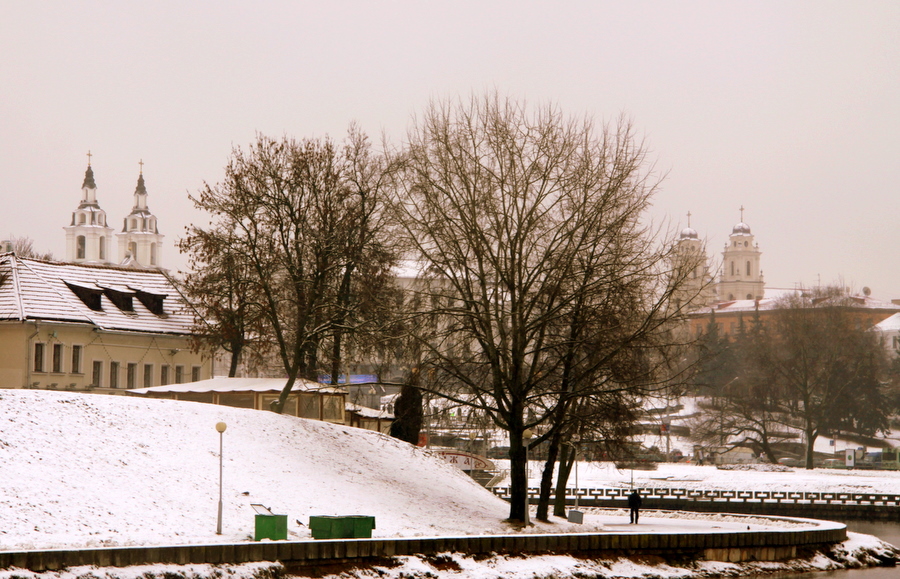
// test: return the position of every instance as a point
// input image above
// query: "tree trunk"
(235, 360)
(547, 479)
(562, 480)
(518, 470)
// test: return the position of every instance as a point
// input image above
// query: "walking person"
(634, 504)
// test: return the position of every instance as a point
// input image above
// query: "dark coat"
(634, 500)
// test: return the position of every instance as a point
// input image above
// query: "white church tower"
(88, 237)
(742, 278)
(140, 241)
(697, 286)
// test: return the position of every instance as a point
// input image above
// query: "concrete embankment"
(732, 546)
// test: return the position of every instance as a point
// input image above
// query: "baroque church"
(107, 319)
(90, 239)
(740, 276)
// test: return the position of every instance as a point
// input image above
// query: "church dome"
(741, 229)
(688, 233)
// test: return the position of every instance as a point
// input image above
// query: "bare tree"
(531, 230)
(304, 217)
(221, 287)
(24, 247)
(827, 364)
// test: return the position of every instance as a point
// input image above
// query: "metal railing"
(726, 496)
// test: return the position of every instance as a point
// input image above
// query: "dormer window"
(120, 297)
(89, 295)
(151, 301)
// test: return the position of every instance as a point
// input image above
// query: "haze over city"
(787, 109)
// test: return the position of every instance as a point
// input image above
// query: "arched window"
(152, 254)
(103, 248)
(79, 247)
(132, 249)
(81, 219)
(748, 268)
(749, 296)
(732, 268)
(133, 224)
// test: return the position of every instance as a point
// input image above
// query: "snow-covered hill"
(90, 470)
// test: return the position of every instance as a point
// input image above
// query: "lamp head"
(220, 427)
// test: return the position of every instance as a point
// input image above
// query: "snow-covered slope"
(81, 470)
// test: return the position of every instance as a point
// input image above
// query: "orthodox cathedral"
(90, 239)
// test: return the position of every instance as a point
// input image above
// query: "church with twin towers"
(91, 240)
(740, 276)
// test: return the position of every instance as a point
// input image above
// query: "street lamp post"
(220, 428)
(526, 438)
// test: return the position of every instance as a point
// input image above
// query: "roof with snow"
(367, 412)
(225, 384)
(106, 297)
(891, 324)
(774, 303)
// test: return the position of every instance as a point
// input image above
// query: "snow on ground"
(89, 470)
(692, 476)
(82, 470)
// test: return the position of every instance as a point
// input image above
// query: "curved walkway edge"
(732, 546)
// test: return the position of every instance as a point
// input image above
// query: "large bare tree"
(542, 279)
(306, 220)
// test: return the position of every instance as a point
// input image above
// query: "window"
(236, 399)
(332, 408)
(113, 374)
(152, 254)
(81, 219)
(79, 247)
(195, 373)
(76, 360)
(164, 375)
(179, 374)
(133, 224)
(39, 357)
(148, 376)
(131, 375)
(732, 268)
(102, 248)
(57, 358)
(309, 406)
(97, 375)
(748, 268)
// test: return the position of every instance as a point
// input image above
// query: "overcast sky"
(790, 109)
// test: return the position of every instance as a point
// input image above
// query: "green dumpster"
(341, 527)
(269, 525)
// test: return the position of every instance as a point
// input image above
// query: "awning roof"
(224, 384)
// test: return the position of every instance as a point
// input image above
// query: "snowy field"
(81, 470)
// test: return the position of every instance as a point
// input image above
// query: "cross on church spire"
(742, 213)
(89, 157)
(689, 218)
(141, 163)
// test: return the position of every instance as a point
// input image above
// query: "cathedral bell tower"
(692, 265)
(140, 241)
(742, 278)
(88, 237)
